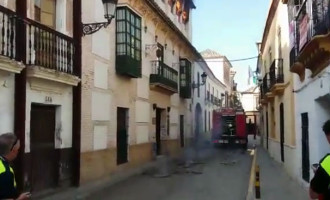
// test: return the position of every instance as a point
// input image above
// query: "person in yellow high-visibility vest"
(320, 184)
(9, 148)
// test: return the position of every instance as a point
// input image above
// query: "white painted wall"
(100, 137)
(292, 162)
(216, 65)
(7, 91)
(101, 106)
(197, 70)
(201, 100)
(101, 74)
(249, 101)
(307, 92)
(62, 99)
(100, 44)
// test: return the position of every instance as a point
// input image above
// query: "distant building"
(250, 103)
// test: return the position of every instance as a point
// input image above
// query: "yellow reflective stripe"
(326, 164)
(12, 171)
(2, 167)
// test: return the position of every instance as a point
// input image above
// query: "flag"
(188, 4)
(255, 80)
(179, 7)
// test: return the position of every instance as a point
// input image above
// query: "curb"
(250, 194)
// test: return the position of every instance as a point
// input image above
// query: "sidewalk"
(275, 183)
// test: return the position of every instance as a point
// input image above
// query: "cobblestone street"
(225, 175)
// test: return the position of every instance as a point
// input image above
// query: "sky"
(231, 28)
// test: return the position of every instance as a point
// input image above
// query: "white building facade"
(311, 82)
(211, 96)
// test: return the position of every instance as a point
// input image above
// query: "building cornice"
(270, 17)
(153, 5)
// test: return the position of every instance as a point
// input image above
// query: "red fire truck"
(229, 128)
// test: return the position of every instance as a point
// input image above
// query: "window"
(45, 12)
(185, 78)
(128, 34)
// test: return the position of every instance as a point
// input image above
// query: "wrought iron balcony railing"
(266, 83)
(164, 76)
(311, 22)
(276, 72)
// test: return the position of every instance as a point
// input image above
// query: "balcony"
(49, 54)
(312, 49)
(8, 59)
(163, 77)
(276, 76)
(266, 88)
(127, 66)
(185, 79)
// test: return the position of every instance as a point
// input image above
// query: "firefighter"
(319, 186)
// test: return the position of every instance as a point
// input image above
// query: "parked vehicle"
(229, 128)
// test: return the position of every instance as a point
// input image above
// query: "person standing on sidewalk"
(9, 148)
(319, 186)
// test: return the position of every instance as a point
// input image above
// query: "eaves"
(270, 18)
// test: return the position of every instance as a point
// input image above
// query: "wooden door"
(122, 139)
(182, 130)
(305, 147)
(44, 173)
(282, 131)
(158, 129)
(267, 130)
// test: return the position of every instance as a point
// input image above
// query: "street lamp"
(109, 13)
(197, 85)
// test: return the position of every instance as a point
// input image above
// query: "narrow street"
(224, 175)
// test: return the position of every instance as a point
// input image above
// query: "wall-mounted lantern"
(196, 85)
(109, 13)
